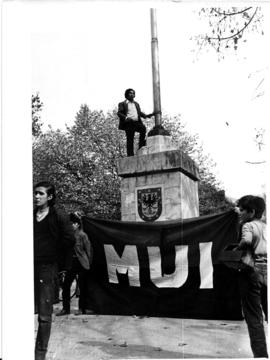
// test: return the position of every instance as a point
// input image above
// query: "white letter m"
(128, 264)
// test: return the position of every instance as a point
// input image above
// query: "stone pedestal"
(159, 183)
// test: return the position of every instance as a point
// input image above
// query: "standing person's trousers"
(76, 269)
(253, 289)
(44, 288)
(130, 130)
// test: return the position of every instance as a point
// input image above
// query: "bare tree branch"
(255, 162)
(237, 33)
(232, 13)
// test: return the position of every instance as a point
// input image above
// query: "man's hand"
(153, 114)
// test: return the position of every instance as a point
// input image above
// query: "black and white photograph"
(134, 179)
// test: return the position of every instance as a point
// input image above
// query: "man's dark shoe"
(85, 312)
(63, 312)
(88, 312)
(79, 312)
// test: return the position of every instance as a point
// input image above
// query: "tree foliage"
(37, 106)
(82, 163)
(227, 28)
(211, 196)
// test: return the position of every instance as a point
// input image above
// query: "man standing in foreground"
(53, 239)
(130, 114)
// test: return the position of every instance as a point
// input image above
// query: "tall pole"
(155, 67)
(158, 129)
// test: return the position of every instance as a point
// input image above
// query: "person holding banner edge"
(81, 261)
(253, 283)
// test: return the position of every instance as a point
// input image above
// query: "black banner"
(166, 268)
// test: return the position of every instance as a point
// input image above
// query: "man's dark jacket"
(122, 113)
(63, 235)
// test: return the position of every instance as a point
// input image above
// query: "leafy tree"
(37, 106)
(211, 196)
(82, 163)
(228, 27)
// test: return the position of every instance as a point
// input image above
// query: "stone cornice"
(160, 162)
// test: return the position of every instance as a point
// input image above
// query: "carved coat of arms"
(149, 203)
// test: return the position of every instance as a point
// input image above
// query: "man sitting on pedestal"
(130, 114)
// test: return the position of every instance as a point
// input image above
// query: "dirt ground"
(100, 337)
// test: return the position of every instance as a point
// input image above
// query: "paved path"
(101, 337)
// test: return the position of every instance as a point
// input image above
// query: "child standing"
(253, 283)
(81, 261)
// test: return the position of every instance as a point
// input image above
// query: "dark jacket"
(122, 113)
(83, 249)
(63, 235)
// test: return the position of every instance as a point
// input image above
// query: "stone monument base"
(155, 144)
(159, 183)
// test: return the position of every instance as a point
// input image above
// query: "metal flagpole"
(158, 129)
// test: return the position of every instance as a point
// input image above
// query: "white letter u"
(179, 277)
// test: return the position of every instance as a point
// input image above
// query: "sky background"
(90, 53)
(75, 52)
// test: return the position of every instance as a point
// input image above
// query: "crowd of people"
(61, 246)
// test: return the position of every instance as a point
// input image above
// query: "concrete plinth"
(159, 183)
